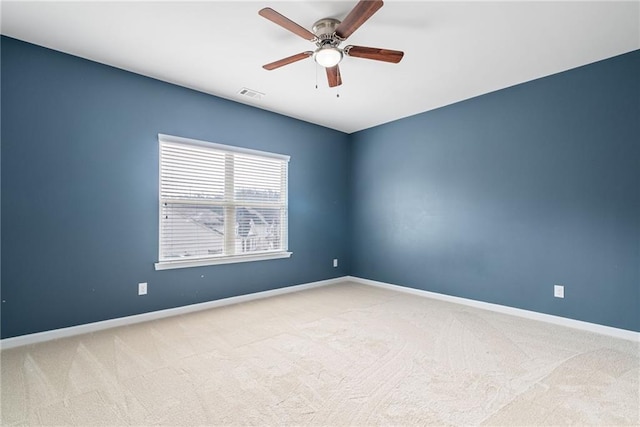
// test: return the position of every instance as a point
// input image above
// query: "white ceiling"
(453, 50)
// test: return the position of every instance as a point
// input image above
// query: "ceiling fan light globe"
(328, 56)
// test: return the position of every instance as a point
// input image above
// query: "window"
(220, 204)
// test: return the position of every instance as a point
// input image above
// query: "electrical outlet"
(558, 291)
(335, 262)
(142, 288)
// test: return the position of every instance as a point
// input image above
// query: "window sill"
(168, 265)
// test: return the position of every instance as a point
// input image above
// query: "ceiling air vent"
(250, 93)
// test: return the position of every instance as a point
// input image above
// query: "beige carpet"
(337, 355)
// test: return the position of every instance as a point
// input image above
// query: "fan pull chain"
(316, 67)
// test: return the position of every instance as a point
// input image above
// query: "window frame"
(224, 259)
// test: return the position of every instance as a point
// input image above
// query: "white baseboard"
(145, 317)
(557, 320)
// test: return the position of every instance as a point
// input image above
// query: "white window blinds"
(220, 203)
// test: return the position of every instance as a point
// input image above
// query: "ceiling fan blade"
(288, 60)
(286, 23)
(386, 55)
(333, 76)
(358, 16)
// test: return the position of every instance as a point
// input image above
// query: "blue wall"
(496, 199)
(500, 197)
(80, 192)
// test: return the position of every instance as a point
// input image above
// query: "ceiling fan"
(328, 34)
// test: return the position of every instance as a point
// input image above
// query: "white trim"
(145, 317)
(548, 318)
(168, 265)
(180, 140)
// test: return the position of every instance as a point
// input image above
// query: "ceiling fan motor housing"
(328, 54)
(325, 26)
(325, 31)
